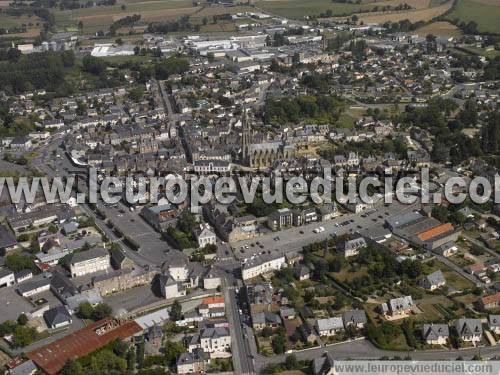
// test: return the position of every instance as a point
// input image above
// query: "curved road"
(363, 349)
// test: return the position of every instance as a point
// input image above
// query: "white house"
(90, 261)
(7, 277)
(329, 326)
(261, 264)
(205, 235)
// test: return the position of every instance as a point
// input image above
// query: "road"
(242, 361)
(363, 349)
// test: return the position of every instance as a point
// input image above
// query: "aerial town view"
(299, 187)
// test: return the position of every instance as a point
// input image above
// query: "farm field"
(485, 12)
(298, 9)
(440, 28)
(413, 15)
(95, 19)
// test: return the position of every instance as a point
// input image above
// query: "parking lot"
(133, 225)
(294, 239)
(12, 303)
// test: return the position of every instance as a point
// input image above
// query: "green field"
(485, 13)
(299, 8)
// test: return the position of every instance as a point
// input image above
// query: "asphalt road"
(363, 349)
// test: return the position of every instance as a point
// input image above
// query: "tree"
(279, 343)
(139, 354)
(93, 65)
(120, 348)
(291, 362)
(17, 262)
(85, 310)
(22, 319)
(23, 336)
(267, 332)
(101, 311)
(176, 311)
(72, 368)
(172, 350)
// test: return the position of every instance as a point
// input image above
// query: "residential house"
(435, 334)
(329, 326)
(433, 281)
(494, 323)
(212, 279)
(306, 333)
(265, 319)
(170, 288)
(205, 235)
(352, 246)
(215, 340)
(397, 307)
(469, 330)
(7, 277)
(7, 240)
(490, 302)
(195, 362)
(323, 365)
(301, 272)
(288, 313)
(356, 318)
(57, 317)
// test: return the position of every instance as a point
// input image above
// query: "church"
(258, 153)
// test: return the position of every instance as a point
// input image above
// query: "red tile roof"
(436, 231)
(52, 357)
(494, 298)
(212, 300)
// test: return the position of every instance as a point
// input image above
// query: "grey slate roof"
(31, 285)
(354, 317)
(435, 278)
(83, 256)
(494, 320)
(213, 333)
(7, 239)
(401, 303)
(467, 326)
(330, 323)
(322, 365)
(5, 272)
(57, 315)
(434, 331)
(266, 317)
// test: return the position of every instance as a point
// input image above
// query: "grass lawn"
(485, 13)
(453, 279)
(346, 121)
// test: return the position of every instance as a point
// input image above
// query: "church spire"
(245, 136)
